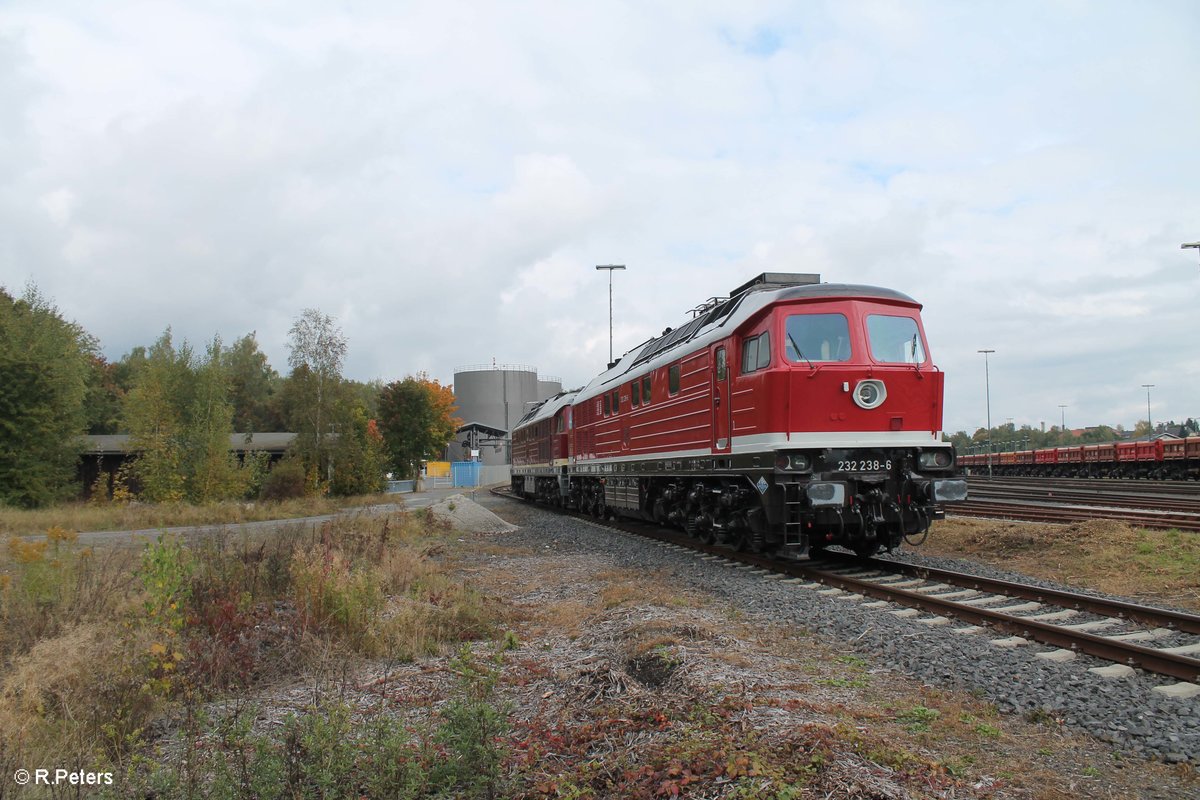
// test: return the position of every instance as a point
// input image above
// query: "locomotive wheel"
(865, 550)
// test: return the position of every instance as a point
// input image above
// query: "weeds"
(98, 648)
(329, 751)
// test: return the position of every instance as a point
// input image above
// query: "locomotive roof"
(547, 408)
(716, 323)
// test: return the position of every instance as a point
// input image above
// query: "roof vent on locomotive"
(792, 414)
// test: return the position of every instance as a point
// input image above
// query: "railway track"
(1073, 623)
(1147, 504)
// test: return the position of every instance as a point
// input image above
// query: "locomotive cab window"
(722, 364)
(673, 380)
(895, 340)
(646, 389)
(616, 400)
(764, 350)
(756, 353)
(809, 338)
(635, 393)
(749, 355)
(607, 404)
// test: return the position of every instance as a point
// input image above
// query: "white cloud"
(443, 177)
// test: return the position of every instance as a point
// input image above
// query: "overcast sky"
(442, 178)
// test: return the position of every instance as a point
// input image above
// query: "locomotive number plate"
(864, 465)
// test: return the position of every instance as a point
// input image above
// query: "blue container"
(465, 473)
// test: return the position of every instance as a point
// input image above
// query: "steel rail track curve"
(1120, 651)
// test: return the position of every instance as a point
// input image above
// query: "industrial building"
(491, 398)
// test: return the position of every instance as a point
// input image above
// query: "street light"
(1063, 422)
(610, 268)
(1149, 421)
(987, 385)
(1191, 245)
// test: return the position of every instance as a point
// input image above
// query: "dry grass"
(95, 643)
(78, 697)
(144, 516)
(630, 587)
(1109, 556)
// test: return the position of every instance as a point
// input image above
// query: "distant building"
(491, 398)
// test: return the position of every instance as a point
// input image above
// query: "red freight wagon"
(1100, 453)
(1126, 451)
(1046, 455)
(1070, 455)
(1150, 451)
(1008, 459)
(1025, 457)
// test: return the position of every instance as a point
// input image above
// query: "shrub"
(335, 596)
(285, 481)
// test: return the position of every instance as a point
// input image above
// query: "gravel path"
(1125, 713)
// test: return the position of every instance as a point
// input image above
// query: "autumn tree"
(44, 368)
(416, 418)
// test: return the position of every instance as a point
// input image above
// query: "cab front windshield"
(895, 340)
(810, 338)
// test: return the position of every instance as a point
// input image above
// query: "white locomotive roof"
(720, 321)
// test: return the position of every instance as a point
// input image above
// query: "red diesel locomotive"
(794, 414)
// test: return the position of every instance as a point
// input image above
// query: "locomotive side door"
(721, 411)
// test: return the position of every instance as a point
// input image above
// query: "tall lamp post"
(1149, 421)
(1190, 245)
(987, 385)
(1062, 410)
(610, 268)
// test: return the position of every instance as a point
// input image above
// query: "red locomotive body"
(792, 414)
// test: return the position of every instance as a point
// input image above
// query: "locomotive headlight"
(870, 394)
(934, 459)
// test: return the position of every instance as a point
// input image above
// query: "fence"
(467, 474)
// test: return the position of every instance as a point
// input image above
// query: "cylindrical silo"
(496, 395)
(548, 386)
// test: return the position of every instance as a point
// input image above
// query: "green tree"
(154, 415)
(317, 349)
(416, 418)
(359, 456)
(254, 386)
(102, 403)
(44, 368)
(211, 469)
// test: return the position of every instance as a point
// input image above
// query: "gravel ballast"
(1137, 721)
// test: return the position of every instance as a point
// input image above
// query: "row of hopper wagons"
(1156, 459)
